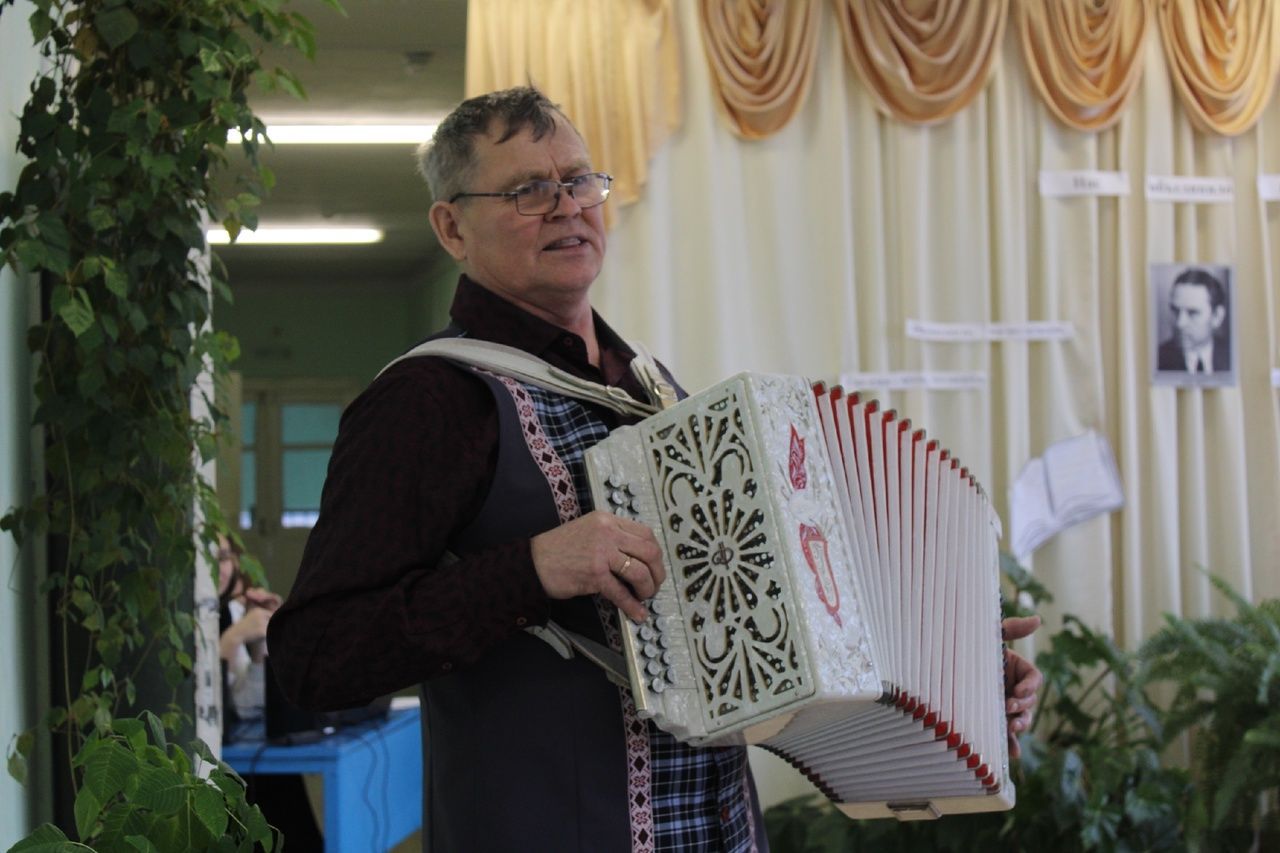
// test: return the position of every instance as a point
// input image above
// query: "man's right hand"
(600, 553)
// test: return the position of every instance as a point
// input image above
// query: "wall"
(19, 646)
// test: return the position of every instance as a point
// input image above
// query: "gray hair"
(447, 161)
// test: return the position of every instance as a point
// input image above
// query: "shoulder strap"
(518, 364)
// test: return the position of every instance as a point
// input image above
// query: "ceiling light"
(344, 134)
(297, 236)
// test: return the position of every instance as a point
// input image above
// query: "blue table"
(372, 778)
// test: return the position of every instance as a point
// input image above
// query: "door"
(275, 469)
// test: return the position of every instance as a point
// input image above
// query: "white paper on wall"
(1075, 480)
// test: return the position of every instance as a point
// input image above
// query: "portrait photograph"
(1192, 341)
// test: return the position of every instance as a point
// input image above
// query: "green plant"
(1226, 673)
(123, 134)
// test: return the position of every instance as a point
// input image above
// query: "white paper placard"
(1275, 377)
(1034, 330)
(1201, 190)
(1269, 187)
(1083, 182)
(1030, 330)
(906, 380)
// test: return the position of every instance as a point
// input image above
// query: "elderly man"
(456, 514)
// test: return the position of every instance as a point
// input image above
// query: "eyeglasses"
(538, 198)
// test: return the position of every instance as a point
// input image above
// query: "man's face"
(545, 263)
(1193, 316)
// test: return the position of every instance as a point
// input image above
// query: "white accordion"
(832, 594)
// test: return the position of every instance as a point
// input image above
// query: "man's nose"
(566, 204)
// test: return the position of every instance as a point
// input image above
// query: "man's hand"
(600, 552)
(1022, 681)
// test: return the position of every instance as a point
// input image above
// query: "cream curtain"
(923, 60)
(612, 65)
(1224, 58)
(1084, 57)
(761, 54)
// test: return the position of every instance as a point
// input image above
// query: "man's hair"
(448, 160)
(1207, 280)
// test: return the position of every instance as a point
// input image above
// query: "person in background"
(456, 514)
(244, 613)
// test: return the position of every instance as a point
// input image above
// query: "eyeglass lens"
(541, 197)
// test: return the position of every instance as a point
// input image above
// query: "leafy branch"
(124, 135)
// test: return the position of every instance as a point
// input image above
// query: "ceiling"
(386, 61)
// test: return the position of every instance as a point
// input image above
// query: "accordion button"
(521, 621)
(654, 667)
(647, 633)
(657, 685)
(651, 650)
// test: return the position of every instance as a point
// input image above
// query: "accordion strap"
(518, 364)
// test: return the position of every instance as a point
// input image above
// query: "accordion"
(832, 593)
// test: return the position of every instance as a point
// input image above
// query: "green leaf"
(157, 729)
(77, 312)
(87, 810)
(158, 789)
(141, 844)
(108, 770)
(210, 809)
(116, 26)
(46, 839)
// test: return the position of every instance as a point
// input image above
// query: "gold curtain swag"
(761, 54)
(1224, 57)
(1084, 57)
(612, 65)
(923, 60)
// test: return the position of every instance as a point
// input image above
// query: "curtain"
(1083, 56)
(1224, 58)
(761, 54)
(612, 65)
(923, 60)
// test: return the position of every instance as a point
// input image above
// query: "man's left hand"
(1022, 681)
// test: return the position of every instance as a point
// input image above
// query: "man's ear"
(1219, 314)
(444, 221)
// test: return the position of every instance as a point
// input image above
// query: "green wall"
(332, 329)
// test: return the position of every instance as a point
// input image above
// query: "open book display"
(832, 593)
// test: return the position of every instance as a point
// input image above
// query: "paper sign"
(1083, 182)
(1033, 330)
(1203, 190)
(931, 380)
(1275, 377)
(1269, 187)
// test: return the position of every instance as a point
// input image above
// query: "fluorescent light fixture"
(345, 134)
(297, 236)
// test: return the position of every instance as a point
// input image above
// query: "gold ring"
(622, 570)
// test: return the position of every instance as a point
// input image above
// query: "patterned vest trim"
(514, 757)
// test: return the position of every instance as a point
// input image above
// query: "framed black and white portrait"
(1192, 341)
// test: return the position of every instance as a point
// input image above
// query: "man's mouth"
(566, 243)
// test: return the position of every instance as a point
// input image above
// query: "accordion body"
(832, 593)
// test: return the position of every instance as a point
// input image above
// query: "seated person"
(244, 611)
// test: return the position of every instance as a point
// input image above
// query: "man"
(455, 515)
(1198, 344)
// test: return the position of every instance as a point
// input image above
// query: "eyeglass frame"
(561, 186)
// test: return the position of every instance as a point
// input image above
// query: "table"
(372, 778)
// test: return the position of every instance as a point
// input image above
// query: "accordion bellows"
(832, 593)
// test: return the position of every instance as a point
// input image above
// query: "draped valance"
(614, 66)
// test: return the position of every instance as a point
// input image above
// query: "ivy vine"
(124, 136)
